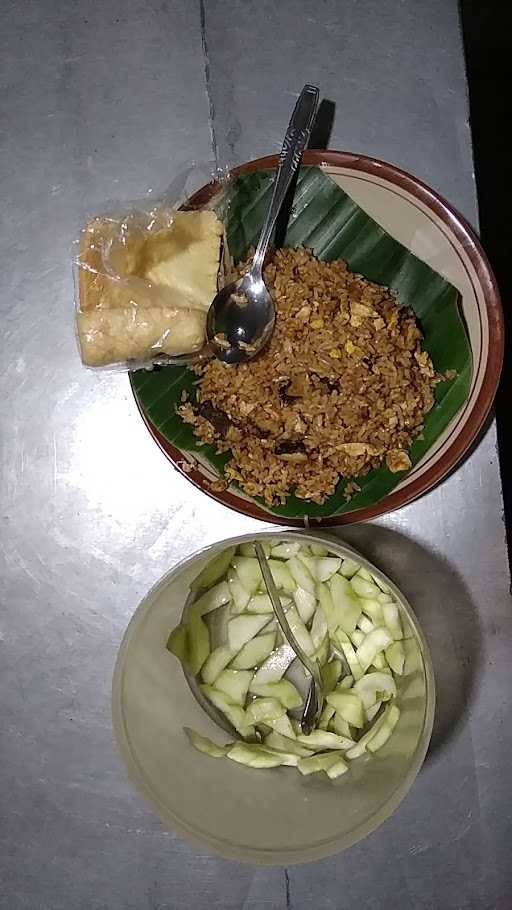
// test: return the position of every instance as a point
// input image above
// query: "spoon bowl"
(241, 319)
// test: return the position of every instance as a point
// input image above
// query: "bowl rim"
(218, 845)
(463, 441)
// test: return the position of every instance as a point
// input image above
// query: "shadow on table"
(447, 614)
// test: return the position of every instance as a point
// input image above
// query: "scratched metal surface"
(104, 101)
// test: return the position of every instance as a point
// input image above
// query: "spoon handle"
(295, 141)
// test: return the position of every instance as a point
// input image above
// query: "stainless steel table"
(106, 101)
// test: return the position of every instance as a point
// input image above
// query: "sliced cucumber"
(256, 756)
(301, 574)
(234, 684)
(357, 637)
(282, 575)
(364, 588)
(350, 655)
(379, 662)
(319, 549)
(321, 654)
(366, 625)
(349, 706)
(234, 713)
(373, 710)
(375, 642)
(347, 682)
(255, 651)
(215, 664)
(321, 567)
(319, 629)
(286, 744)
(316, 763)
(330, 674)
(239, 595)
(342, 728)
(373, 609)
(349, 567)
(299, 630)
(285, 550)
(211, 600)
(243, 628)
(282, 725)
(347, 604)
(260, 603)
(198, 643)
(374, 731)
(275, 666)
(325, 717)
(203, 744)
(392, 620)
(321, 739)
(247, 549)
(283, 690)
(390, 717)
(249, 572)
(382, 585)
(263, 710)
(305, 603)
(373, 687)
(395, 656)
(177, 643)
(214, 570)
(336, 770)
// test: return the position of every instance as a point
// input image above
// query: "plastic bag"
(145, 277)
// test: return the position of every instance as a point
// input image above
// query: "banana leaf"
(325, 219)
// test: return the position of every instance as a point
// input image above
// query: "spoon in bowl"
(241, 318)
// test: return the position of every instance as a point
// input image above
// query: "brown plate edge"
(462, 443)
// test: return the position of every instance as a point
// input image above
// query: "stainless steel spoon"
(241, 317)
(314, 699)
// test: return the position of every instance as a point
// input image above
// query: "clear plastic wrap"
(145, 277)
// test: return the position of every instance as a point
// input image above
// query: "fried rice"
(343, 386)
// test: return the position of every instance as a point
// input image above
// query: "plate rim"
(464, 440)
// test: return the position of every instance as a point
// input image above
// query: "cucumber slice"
(379, 662)
(390, 717)
(198, 643)
(203, 744)
(318, 549)
(215, 664)
(375, 642)
(373, 710)
(247, 549)
(342, 728)
(384, 598)
(275, 666)
(234, 684)
(239, 595)
(321, 567)
(214, 570)
(382, 585)
(392, 620)
(373, 687)
(325, 717)
(217, 622)
(234, 713)
(260, 603)
(305, 603)
(347, 682)
(330, 674)
(177, 643)
(366, 625)
(282, 725)
(255, 755)
(248, 570)
(281, 575)
(364, 588)
(326, 604)
(283, 690)
(263, 710)
(357, 637)
(349, 706)
(316, 763)
(349, 568)
(347, 604)
(243, 628)
(211, 600)
(350, 654)
(334, 771)
(299, 630)
(301, 574)
(321, 739)
(395, 656)
(254, 652)
(319, 630)
(285, 550)
(275, 740)
(321, 654)
(373, 609)
(364, 573)
(374, 731)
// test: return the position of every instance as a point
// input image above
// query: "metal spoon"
(314, 699)
(241, 317)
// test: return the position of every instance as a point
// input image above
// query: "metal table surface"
(106, 101)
